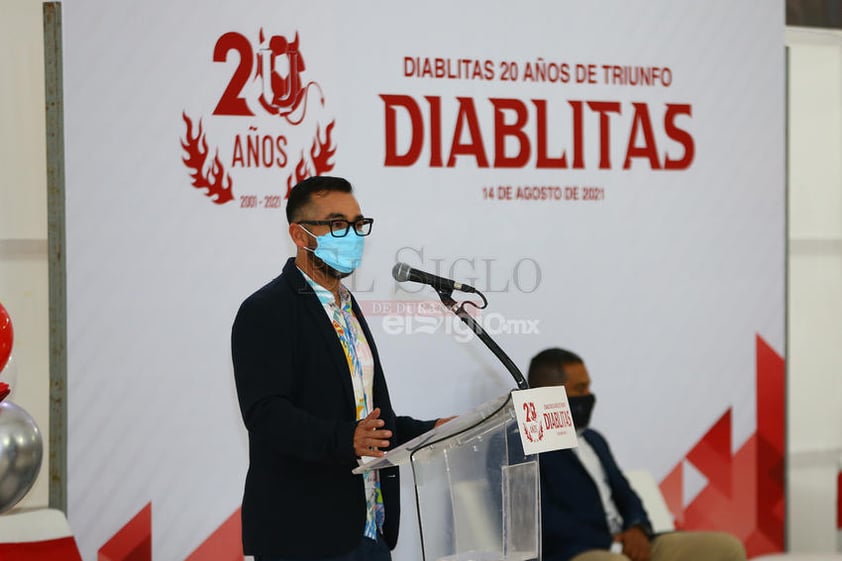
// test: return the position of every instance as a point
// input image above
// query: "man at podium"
(589, 510)
(313, 396)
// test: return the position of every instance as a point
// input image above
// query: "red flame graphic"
(214, 179)
(321, 153)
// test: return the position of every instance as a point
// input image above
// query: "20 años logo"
(270, 127)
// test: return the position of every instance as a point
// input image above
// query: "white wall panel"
(815, 287)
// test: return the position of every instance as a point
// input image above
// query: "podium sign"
(544, 419)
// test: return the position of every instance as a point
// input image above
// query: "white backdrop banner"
(609, 173)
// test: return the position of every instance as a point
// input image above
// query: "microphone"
(402, 272)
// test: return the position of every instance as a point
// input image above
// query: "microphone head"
(400, 272)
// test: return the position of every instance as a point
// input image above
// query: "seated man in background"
(589, 511)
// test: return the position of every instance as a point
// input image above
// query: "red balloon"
(6, 337)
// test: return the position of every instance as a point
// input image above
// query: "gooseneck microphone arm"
(402, 272)
(459, 310)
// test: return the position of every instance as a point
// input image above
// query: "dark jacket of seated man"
(573, 518)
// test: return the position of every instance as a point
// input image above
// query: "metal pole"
(56, 254)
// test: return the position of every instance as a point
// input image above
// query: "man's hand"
(369, 437)
(635, 544)
(443, 420)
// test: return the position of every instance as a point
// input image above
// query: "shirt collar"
(325, 296)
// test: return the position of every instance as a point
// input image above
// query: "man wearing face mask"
(313, 396)
(589, 511)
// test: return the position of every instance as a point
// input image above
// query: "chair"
(647, 489)
(37, 535)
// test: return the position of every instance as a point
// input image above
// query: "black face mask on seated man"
(581, 407)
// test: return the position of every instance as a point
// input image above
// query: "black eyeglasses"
(339, 227)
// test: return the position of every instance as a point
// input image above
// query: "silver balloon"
(21, 450)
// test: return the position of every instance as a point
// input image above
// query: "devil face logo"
(279, 67)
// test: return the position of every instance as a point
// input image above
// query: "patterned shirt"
(361, 368)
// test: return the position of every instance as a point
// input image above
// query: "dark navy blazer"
(573, 518)
(297, 401)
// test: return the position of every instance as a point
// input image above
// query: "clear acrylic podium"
(477, 493)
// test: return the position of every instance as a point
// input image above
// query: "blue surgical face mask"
(343, 254)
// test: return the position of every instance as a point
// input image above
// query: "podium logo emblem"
(533, 428)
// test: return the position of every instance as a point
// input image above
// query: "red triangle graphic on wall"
(225, 544)
(133, 542)
(745, 491)
(672, 488)
(712, 455)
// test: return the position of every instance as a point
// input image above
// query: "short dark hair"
(301, 195)
(547, 367)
